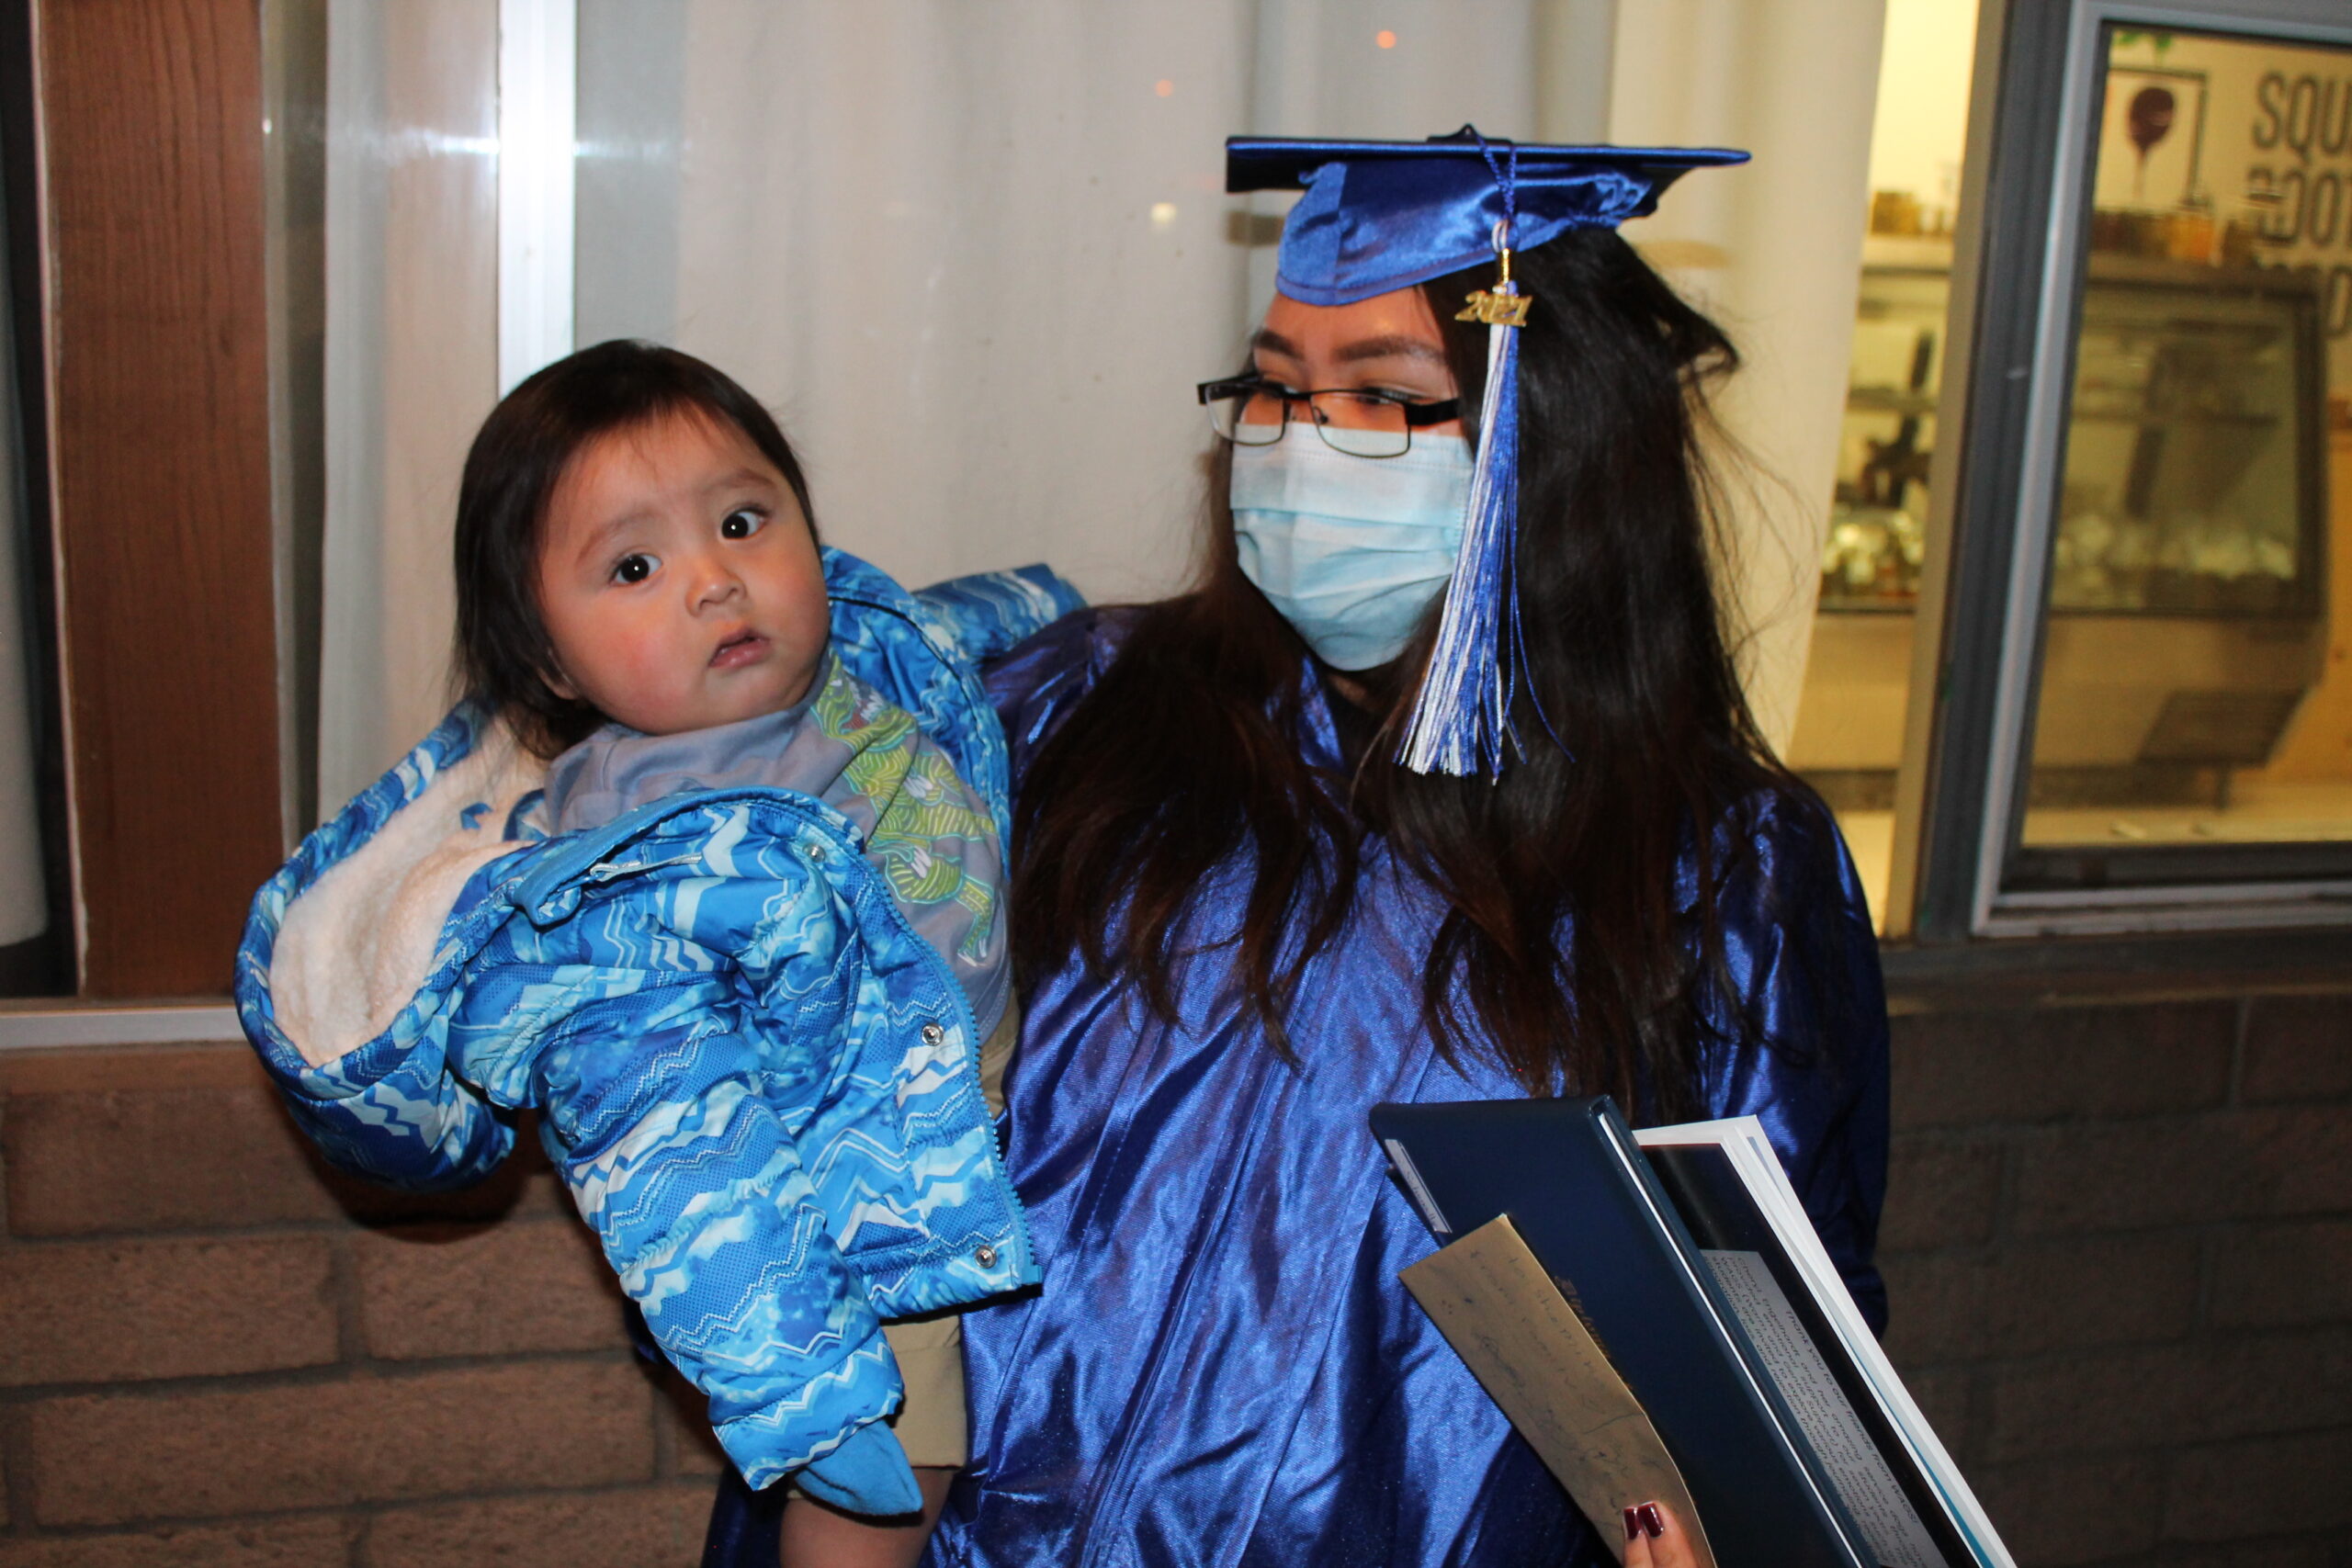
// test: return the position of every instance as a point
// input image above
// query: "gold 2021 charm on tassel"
(1497, 308)
(1503, 305)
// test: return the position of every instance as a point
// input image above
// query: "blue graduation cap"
(1379, 216)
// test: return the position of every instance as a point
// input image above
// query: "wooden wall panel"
(151, 127)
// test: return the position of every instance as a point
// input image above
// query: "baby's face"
(679, 579)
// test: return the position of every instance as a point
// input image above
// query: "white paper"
(1744, 1139)
(1410, 1174)
(1859, 1472)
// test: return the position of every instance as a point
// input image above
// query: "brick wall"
(2119, 1241)
(213, 1351)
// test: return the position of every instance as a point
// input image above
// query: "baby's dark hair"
(504, 655)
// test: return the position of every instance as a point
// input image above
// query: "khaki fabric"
(932, 1424)
(996, 1053)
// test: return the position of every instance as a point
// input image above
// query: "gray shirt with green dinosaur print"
(926, 831)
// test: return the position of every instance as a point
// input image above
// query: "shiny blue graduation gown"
(1220, 1366)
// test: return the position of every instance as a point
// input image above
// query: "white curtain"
(976, 254)
(1774, 251)
(412, 358)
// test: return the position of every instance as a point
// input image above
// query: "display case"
(2186, 577)
(2193, 453)
(1871, 562)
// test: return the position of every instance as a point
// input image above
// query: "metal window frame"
(2020, 266)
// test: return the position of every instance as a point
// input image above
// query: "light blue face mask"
(1351, 550)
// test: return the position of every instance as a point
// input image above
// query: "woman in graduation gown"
(1438, 785)
(1372, 813)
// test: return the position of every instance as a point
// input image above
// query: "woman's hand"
(1653, 1540)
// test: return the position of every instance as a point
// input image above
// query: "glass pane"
(2195, 687)
(28, 964)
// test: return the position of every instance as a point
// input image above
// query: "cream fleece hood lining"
(356, 944)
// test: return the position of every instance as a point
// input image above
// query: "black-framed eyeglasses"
(1250, 411)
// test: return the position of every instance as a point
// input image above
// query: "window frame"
(1983, 602)
(154, 332)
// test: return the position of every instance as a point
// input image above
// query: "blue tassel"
(1461, 719)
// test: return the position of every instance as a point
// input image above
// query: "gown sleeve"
(1036, 684)
(1798, 1023)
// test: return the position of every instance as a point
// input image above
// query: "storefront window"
(2168, 715)
(2140, 579)
(2194, 683)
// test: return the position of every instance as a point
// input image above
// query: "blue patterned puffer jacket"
(759, 1083)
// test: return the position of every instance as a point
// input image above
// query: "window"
(2142, 602)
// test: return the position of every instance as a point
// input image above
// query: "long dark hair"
(503, 654)
(1183, 756)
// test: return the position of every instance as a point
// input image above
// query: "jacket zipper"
(855, 877)
(610, 871)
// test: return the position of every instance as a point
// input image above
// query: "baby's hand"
(1653, 1540)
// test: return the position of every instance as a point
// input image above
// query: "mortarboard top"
(1383, 215)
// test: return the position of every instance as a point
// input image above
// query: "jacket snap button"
(932, 1034)
(816, 854)
(985, 1255)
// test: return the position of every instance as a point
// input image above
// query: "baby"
(708, 871)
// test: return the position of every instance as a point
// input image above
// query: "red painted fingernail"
(1632, 1525)
(1652, 1520)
